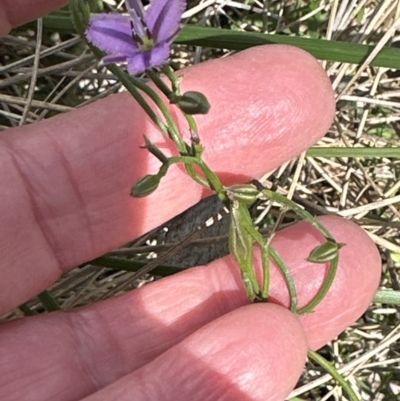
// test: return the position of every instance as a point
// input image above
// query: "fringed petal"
(163, 17)
(142, 61)
(111, 33)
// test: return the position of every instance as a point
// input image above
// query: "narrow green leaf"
(334, 373)
(241, 248)
(353, 152)
(325, 287)
(281, 265)
(345, 52)
(322, 49)
(387, 296)
(48, 301)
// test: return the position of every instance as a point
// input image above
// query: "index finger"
(17, 12)
(68, 178)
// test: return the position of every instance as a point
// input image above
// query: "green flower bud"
(246, 193)
(145, 186)
(325, 252)
(192, 102)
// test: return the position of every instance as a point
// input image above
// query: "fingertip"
(17, 12)
(5, 25)
(260, 349)
(256, 352)
(286, 102)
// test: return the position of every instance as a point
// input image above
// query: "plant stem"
(334, 373)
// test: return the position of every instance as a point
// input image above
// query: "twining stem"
(170, 74)
(211, 180)
(326, 285)
(160, 84)
(334, 263)
(131, 88)
(281, 265)
(172, 94)
(298, 210)
(241, 247)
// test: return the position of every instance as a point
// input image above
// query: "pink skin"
(190, 336)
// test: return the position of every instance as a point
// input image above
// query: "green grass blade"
(353, 152)
(387, 296)
(334, 373)
(118, 263)
(322, 49)
(48, 301)
(234, 40)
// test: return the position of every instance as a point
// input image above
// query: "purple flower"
(141, 40)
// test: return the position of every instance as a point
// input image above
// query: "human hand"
(66, 184)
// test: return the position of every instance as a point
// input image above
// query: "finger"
(254, 353)
(101, 343)
(69, 178)
(17, 12)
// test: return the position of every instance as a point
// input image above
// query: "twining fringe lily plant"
(141, 40)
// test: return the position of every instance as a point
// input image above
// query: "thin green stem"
(241, 245)
(160, 84)
(172, 129)
(281, 265)
(326, 285)
(196, 177)
(190, 119)
(174, 80)
(265, 250)
(334, 373)
(191, 122)
(155, 151)
(132, 88)
(170, 74)
(333, 264)
(213, 179)
(298, 210)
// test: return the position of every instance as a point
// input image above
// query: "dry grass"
(46, 74)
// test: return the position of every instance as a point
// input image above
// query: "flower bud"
(192, 102)
(145, 186)
(325, 252)
(246, 193)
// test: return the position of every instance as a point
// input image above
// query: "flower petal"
(114, 58)
(136, 6)
(136, 11)
(111, 33)
(142, 61)
(162, 18)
